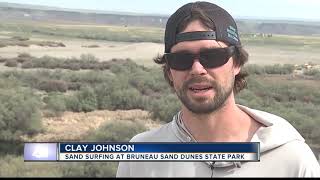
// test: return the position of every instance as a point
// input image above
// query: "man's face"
(202, 90)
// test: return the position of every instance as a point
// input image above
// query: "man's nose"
(197, 68)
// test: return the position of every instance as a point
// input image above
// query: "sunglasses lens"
(215, 57)
(180, 61)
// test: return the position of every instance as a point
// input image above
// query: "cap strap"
(198, 35)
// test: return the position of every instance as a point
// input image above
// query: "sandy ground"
(270, 55)
(74, 126)
(143, 53)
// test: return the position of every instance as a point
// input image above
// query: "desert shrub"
(248, 98)
(72, 64)
(254, 69)
(118, 94)
(55, 104)
(105, 65)
(311, 72)
(2, 59)
(117, 131)
(89, 169)
(149, 83)
(10, 80)
(74, 86)
(91, 46)
(84, 100)
(21, 60)
(27, 64)
(14, 166)
(19, 38)
(51, 44)
(165, 107)
(73, 104)
(87, 99)
(53, 85)
(60, 44)
(19, 113)
(88, 57)
(49, 62)
(124, 66)
(11, 63)
(279, 69)
(24, 55)
(105, 91)
(296, 103)
(22, 44)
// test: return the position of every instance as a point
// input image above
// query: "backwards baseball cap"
(225, 26)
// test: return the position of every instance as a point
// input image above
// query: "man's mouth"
(200, 88)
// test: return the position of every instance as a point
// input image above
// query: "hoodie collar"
(269, 136)
(184, 135)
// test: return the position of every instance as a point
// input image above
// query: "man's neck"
(227, 124)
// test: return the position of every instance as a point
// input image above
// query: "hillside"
(20, 12)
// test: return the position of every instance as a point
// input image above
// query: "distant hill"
(22, 12)
(18, 12)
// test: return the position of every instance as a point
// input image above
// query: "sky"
(262, 9)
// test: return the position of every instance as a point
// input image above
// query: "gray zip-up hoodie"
(283, 153)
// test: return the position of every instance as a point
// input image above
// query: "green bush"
(84, 100)
(24, 55)
(279, 69)
(117, 131)
(11, 63)
(14, 166)
(165, 107)
(254, 69)
(53, 85)
(19, 113)
(311, 72)
(89, 169)
(73, 104)
(28, 64)
(55, 104)
(2, 59)
(126, 99)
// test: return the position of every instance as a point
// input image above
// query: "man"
(202, 62)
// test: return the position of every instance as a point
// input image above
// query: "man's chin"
(200, 107)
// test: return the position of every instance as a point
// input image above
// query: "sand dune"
(144, 52)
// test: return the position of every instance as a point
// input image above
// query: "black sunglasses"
(210, 58)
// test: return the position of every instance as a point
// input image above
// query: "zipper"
(212, 168)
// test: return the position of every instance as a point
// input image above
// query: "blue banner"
(140, 147)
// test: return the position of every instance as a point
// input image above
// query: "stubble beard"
(204, 105)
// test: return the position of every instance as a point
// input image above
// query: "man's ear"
(236, 70)
(169, 74)
(236, 67)
(169, 77)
